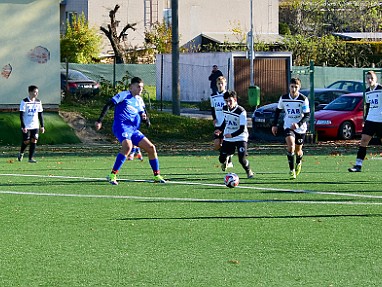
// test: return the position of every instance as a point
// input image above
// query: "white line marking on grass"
(186, 199)
(187, 183)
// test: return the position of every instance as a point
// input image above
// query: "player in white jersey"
(373, 122)
(217, 104)
(297, 113)
(32, 120)
(235, 132)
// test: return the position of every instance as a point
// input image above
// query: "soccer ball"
(231, 180)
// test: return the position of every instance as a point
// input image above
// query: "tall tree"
(320, 17)
(159, 38)
(80, 44)
(117, 40)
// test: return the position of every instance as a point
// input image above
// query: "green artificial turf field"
(62, 224)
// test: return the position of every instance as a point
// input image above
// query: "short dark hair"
(136, 80)
(295, 81)
(230, 94)
(31, 88)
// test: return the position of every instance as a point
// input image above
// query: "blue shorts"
(123, 132)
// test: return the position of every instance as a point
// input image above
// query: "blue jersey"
(127, 109)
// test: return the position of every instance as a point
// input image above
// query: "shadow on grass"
(250, 217)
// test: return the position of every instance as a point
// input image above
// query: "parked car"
(78, 84)
(347, 85)
(323, 96)
(262, 117)
(342, 118)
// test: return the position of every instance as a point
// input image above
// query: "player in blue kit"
(297, 113)
(128, 114)
(136, 151)
(235, 133)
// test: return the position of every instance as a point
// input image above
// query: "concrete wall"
(30, 50)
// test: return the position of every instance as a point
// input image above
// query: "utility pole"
(253, 91)
(175, 59)
(252, 82)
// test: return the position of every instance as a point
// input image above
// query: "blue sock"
(137, 150)
(120, 159)
(154, 163)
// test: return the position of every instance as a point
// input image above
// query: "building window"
(70, 16)
(167, 17)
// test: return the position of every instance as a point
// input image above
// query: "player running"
(297, 113)
(217, 104)
(128, 114)
(373, 115)
(235, 132)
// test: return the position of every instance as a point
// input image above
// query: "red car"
(342, 118)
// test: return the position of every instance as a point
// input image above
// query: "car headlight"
(323, 122)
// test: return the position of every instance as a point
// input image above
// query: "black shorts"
(30, 134)
(372, 128)
(299, 138)
(230, 147)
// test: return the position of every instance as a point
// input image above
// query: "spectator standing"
(215, 74)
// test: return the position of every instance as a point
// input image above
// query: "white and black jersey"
(31, 113)
(217, 104)
(373, 99)
(295, 110)
(235, 123)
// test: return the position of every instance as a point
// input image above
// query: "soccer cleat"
(20, 156)
(356, 168)
(250, 173)
(32, 160)
(230, 163)
(159, 179)
(112, 178)
(224, 165)
(131, 156)
(298, 168)
(292, 174)
(139, 156)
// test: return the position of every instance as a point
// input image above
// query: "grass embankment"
(165, 128)
(57, 130)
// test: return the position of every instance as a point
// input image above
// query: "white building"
(198, 19)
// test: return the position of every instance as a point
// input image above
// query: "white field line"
(191, 199)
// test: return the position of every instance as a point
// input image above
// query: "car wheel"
(346, 131)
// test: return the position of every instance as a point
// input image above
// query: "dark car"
(262, 117)
(348, 85)
(342, 118)
(323, 96)
(77, 83)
